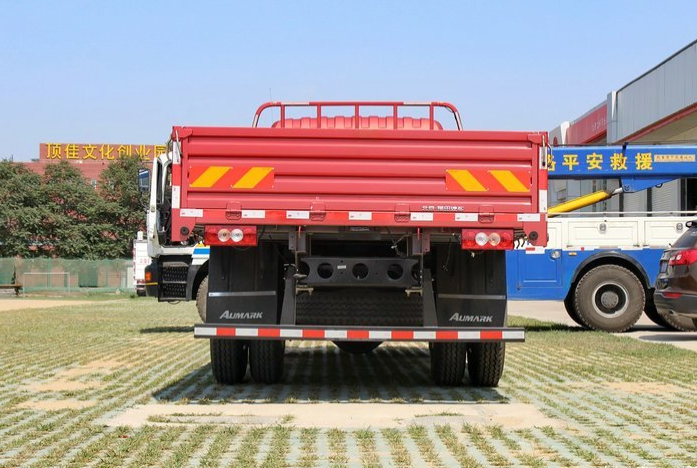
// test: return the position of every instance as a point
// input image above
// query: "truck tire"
(571, 310)
(609, 298)
(652, 313)
(228, 361)
(679, 323)
(357, 347)
(448, 362)
(485, 363)
(201, 297)
(266, 360)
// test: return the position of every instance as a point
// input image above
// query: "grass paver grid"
(562, 372)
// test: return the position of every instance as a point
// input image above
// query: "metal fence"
(57, 274)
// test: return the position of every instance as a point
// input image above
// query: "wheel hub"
(610, 299)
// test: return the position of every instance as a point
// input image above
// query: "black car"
(676, 286)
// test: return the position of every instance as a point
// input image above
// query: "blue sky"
(125, 72)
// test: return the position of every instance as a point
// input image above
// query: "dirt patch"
(20, 303)
(94, 367)
(337, 415)
(63, 386)
(66, 380)
(657, 388)
(55, 405)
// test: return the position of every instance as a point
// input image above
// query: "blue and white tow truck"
(604, 265)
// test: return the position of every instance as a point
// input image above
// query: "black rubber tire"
(369, 307)
(266, 360)
(201, 298)
(631, 298)
(694, 322)
(485, 363)
(571, 309)
(228, 361)
(653, 315)
(679, 323)
(357, 347)
(448, 361)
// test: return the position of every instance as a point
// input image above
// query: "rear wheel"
(357, 347)
(266, 360)
(609, 298)
(448, 363)
(653, 315)
(680, 323)
(485, 363)
(571, 309)
(201, 297)
(228, 361)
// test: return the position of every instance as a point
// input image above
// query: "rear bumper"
(287, 332)
(685, 305)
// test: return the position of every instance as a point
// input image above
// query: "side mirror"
(144, 180)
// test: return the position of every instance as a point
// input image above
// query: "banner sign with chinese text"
(646, 161)
(98, 151)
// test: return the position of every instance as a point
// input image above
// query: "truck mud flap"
(243, 286)
(468, 335)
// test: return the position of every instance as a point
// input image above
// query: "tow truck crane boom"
(637, 167)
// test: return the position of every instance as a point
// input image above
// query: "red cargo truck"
(356, 229)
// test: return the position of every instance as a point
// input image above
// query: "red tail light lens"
(231, 235)
(686, 257)
(487, 239)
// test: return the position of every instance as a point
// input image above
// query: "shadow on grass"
(554, 327)
(182, 329)
(399, 374)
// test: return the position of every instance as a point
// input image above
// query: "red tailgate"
(227, 171)
(359, 170)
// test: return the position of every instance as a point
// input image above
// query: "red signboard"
(588, 128)
(86, 152)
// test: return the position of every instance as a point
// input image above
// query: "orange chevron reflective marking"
(231, 178)
(461, 179)
(509, 181)
(492, 180)
(252, 178)
(210, 176)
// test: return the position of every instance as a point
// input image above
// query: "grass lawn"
(66, 372)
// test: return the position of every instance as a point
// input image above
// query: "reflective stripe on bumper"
(358, 333)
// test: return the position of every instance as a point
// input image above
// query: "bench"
(16, 287)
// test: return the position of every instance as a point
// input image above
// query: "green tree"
(76, 225)
(22, 211)
(118, 187)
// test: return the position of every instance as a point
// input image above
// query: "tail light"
(487, 240)
(686, 257)
(672, 295)
(231, 235)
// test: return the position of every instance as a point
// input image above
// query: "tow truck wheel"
(266, 360)
(678, 323)
(357, 347)
(228, 361)
(609, 298)
(448, 362)
(571, 310)
(201, 297)
(485, 363)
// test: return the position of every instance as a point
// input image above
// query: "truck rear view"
(356, 229)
